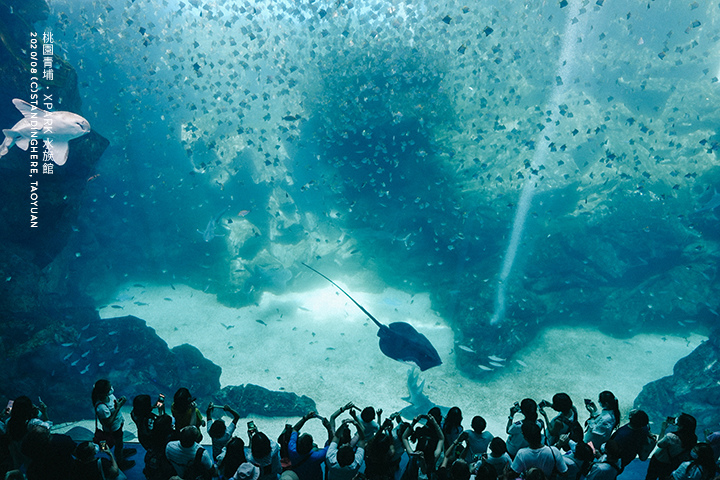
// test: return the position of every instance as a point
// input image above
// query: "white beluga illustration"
(58, 128)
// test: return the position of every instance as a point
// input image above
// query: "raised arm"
(43, 410)
(114, 466)
(333, 417)
(326, 424)
(513, 410)
(302, 421)
(541, 407)
(361, 434)
(397, 417)
(450, 452)
(441, 436)
(228, 409)
(406, 435)
(120, 402)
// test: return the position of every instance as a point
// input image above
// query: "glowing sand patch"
(317, 343)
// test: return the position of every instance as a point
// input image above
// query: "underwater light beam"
(574, 25)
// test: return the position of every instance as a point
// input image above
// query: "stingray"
(399, 340)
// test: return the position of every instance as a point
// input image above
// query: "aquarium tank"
(289, 205)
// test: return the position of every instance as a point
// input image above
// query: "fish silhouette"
(711, 204)
(420, 403)
(399, 340)
(57, 128)
(209, 232)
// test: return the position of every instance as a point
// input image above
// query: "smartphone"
(160, 401)
(8, 409)
(251, 425)
(670, 420)
(103, 445)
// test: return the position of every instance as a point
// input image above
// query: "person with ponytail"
(107, 413)
(674, 447)
(601, 425)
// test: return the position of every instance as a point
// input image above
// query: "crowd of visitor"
(360, 444)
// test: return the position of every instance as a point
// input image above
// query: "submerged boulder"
(78, 348)
(53, 343)
(694, 388)
(255, 400)
(59, 194)
(75, 351)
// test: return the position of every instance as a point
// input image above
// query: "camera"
(544, 404)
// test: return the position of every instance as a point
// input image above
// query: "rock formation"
(53, 342)
(694, 388)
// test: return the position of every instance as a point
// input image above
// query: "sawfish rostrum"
(399, 340)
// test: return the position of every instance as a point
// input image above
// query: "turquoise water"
(329, 352)
(397, 146)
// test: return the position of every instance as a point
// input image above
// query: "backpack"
(196, 470)
(576, 431)
(157, 466)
